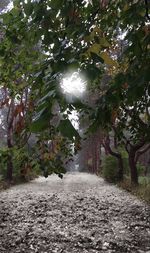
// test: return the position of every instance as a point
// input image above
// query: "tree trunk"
(133, 158)
(121, 167)
(9, 175)
(133, 168)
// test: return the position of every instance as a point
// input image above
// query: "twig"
(147, 9)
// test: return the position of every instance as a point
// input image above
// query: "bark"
(115, 142)
(106, 151)
(10, 118)
(141, 152)
(133, 168)
(133, 149)
(9, 175)
(93, 161)
(121, 167)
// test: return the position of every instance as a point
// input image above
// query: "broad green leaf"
(41, 121)
(95, 48)
(67, 129)
(50, 94)
(104, 42)
(28, 8)
(39, 125)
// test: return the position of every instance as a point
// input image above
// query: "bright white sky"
(73, 84)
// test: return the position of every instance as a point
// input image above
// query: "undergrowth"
(142, 191)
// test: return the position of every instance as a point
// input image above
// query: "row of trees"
(106, 41)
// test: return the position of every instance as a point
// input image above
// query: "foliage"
(3, 161)
(125, 103)
(110, 169)
(110, 166)
(140, 168)
(142, 191)
(25, 165)
(124, 155)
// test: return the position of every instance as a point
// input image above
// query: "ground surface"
(80, 213)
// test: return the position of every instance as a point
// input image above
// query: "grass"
(142, 191)
(4, 185)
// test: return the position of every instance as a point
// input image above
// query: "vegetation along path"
(80, 213)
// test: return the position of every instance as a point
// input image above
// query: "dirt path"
(80, 213)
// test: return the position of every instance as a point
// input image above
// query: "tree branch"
(147, 9)
(142, 151)
(110, 151)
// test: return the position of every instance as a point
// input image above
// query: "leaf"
(108, 60)
(97, 30)
(67, 129)
(55, 3)
(42, 120)
(95, 48)
(126, 7)
(104, 42)
(28, 8)
(38, 126)
(50, 94)
(92, 72)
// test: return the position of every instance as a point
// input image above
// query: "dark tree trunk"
(9, 175)
(134, 152)
(133, 168)
(115, 142)
(93, 161)
(121, 167)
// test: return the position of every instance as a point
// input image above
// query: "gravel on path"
(77, 214)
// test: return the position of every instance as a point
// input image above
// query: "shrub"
(3, 162)
(25, 166)
(110, 169)
(142, 190)
(140, 169)
(124, 155)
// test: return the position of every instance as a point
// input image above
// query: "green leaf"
(50, 94)
(28, 8)
(42, 120)
(104, 42)
(92, 72)
(38, 126)
(67, 129)
(95, 48)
